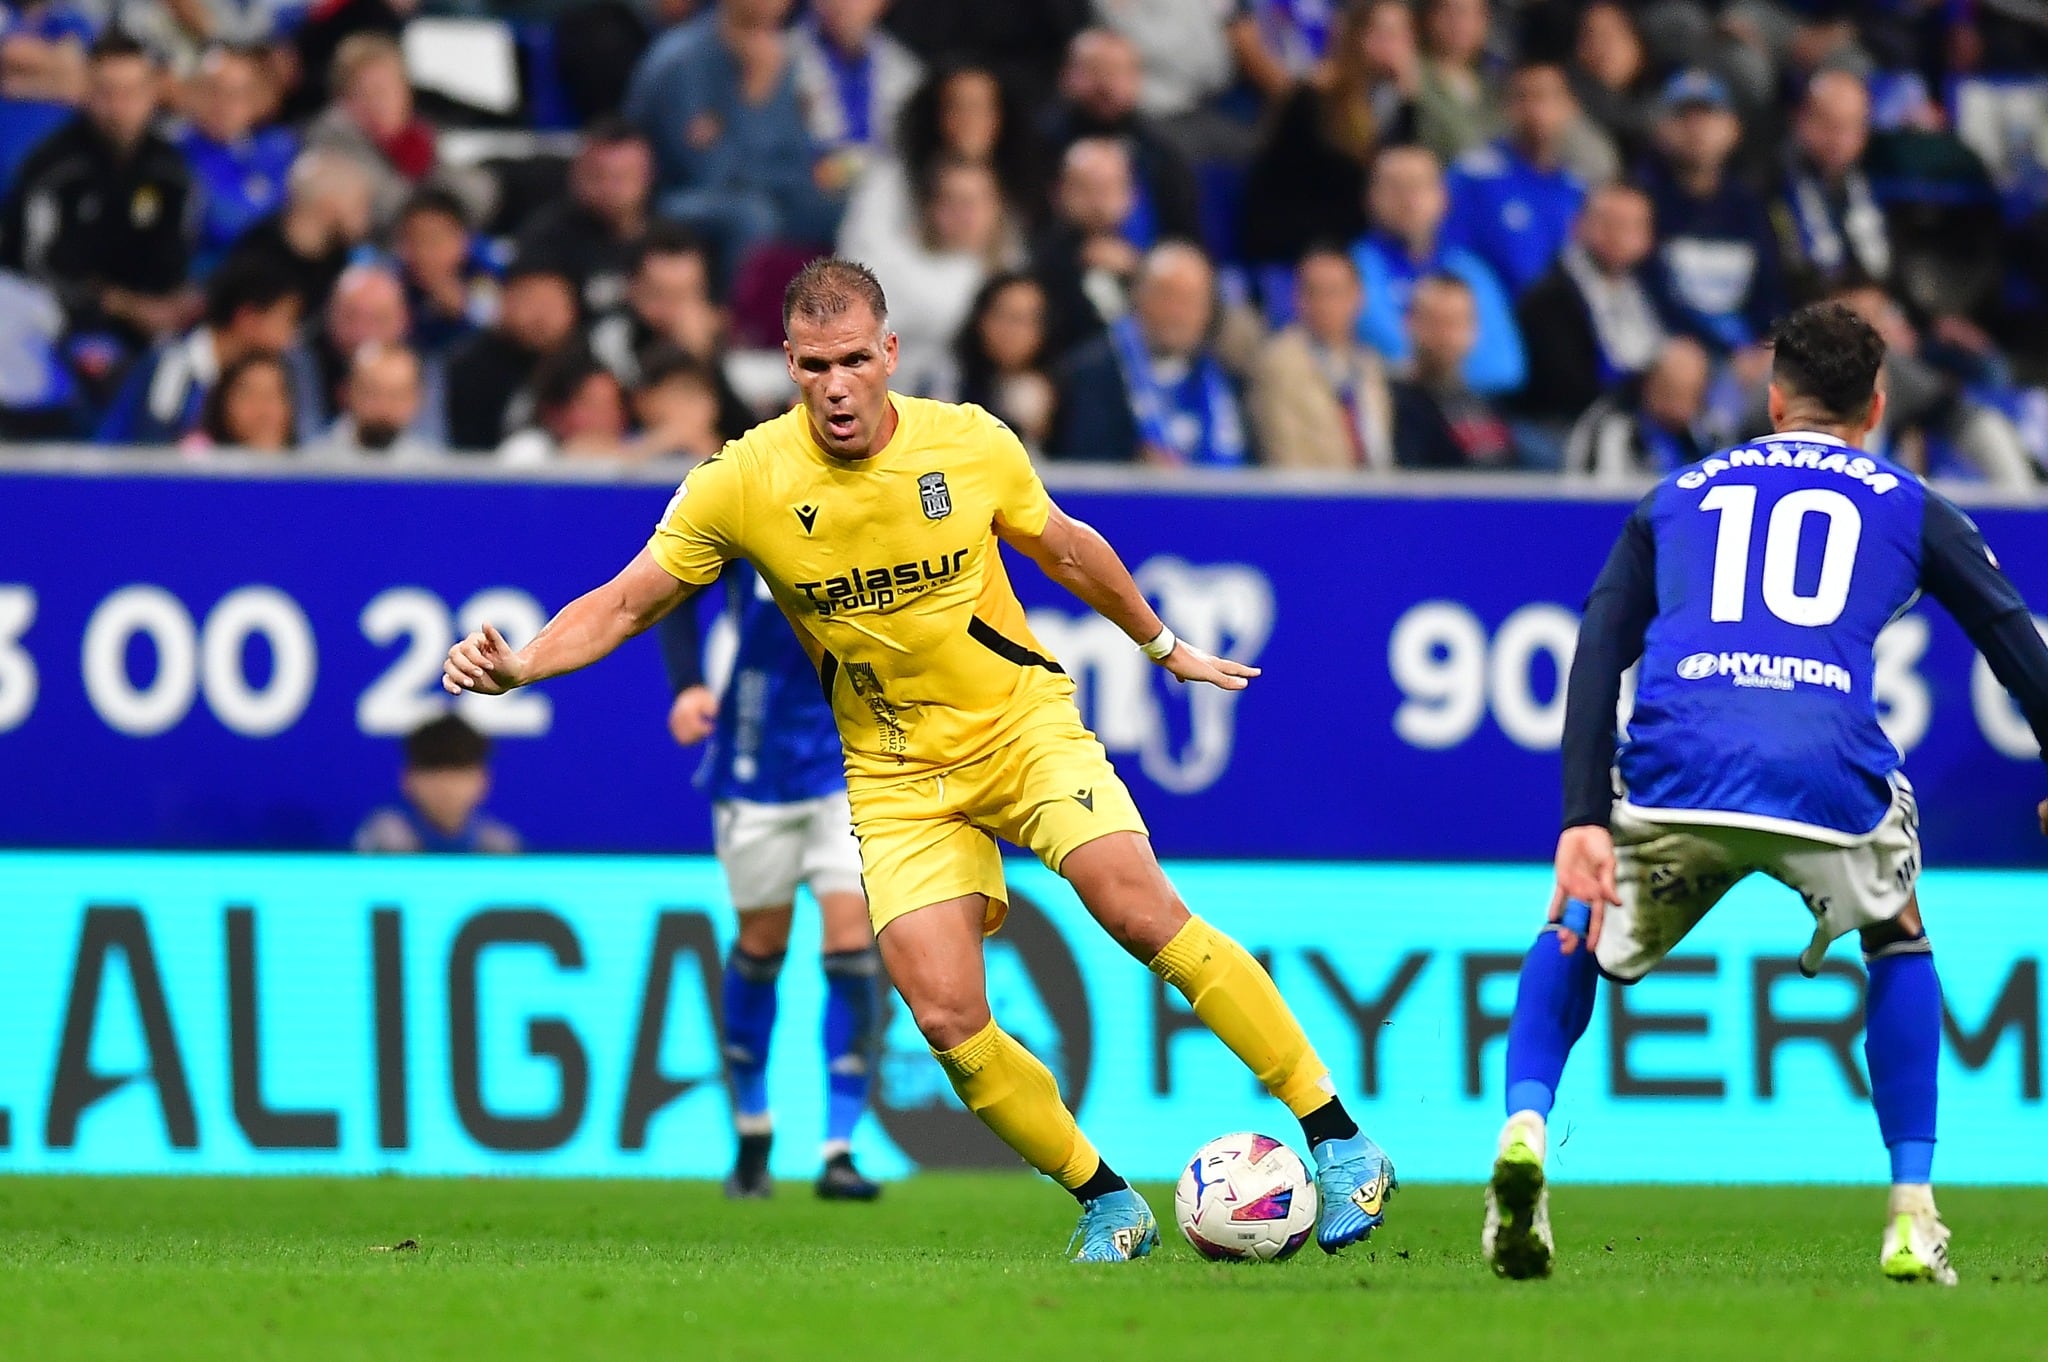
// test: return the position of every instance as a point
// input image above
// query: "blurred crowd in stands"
(1329, 234)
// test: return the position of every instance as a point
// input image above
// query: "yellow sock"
(1237, 1000)
(1015, 1096)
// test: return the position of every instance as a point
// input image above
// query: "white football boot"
(1517, 1238)
(1915, 1240)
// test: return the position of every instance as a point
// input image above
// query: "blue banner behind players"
(187, 661)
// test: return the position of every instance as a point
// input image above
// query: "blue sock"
(1553, 1003)
(1902, 1042)
(852, 1006)
(749, 1020)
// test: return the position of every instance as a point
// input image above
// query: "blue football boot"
(1354, 1182)
(1115, 1228)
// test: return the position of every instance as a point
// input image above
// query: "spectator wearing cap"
(669, 303)
(446, 779)
(1099, 87)
(1408, 203)
(1716, 270)
(1307, 182)
(449, 290)
(100, 212)
(1319, 399)
(1593, 312)
(1649, 426)
(366, 308)
(240, 167)
(250, 308)
(1829, 224)
(579, 412)
(1439, 421)
(594, 232)
(381, 404)
(1455, 107)
(1513, 202)
(717, 98)
(853, 78)
(488, 374)
(324, 222)
(1151, 389)
(373, 122)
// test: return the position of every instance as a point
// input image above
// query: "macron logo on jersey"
(1765, 671)
(1791, 454)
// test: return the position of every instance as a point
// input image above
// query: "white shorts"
(1669, 875)
(768, 850)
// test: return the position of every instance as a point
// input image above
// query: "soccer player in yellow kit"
(874, 520)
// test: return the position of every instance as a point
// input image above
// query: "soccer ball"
(1245, 1196)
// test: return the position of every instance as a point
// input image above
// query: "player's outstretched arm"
(1075, 555)
(586, 629)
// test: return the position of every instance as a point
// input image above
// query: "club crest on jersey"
(932, 491)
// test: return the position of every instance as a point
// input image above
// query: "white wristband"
(1162, 645)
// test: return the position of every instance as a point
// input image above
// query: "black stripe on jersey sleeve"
(984, 633)
(1958, 570)
(828, 672)
(1618, 614)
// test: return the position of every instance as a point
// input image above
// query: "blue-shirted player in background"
(1753, 586)
(773, 770)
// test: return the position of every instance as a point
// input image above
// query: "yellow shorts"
(930, 838)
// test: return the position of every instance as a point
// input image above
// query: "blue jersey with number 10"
(1777, 564)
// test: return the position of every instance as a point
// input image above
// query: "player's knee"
(764, 931)
(1893, 938)
(945, 1023)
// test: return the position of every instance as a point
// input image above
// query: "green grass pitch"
(957, 1266)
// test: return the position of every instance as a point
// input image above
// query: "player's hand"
(694, 715)
(483, 663)
(1585, 871)
(2043, 812)
(1190, 663)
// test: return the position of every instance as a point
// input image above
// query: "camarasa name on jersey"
(878, 588)
(1792, 454)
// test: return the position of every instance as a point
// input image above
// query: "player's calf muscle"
(1124, 889)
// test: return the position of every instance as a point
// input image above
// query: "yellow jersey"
(888, 568)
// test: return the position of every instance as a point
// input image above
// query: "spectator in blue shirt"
(252, 306)
(1716, 273)
(854, 78)
(1407, 205)
(1151, 389)
(1513, 201)
(240, 168)
(447, 778)
(717, 99)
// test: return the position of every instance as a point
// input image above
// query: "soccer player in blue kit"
(1752, 586)
(774, 773)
